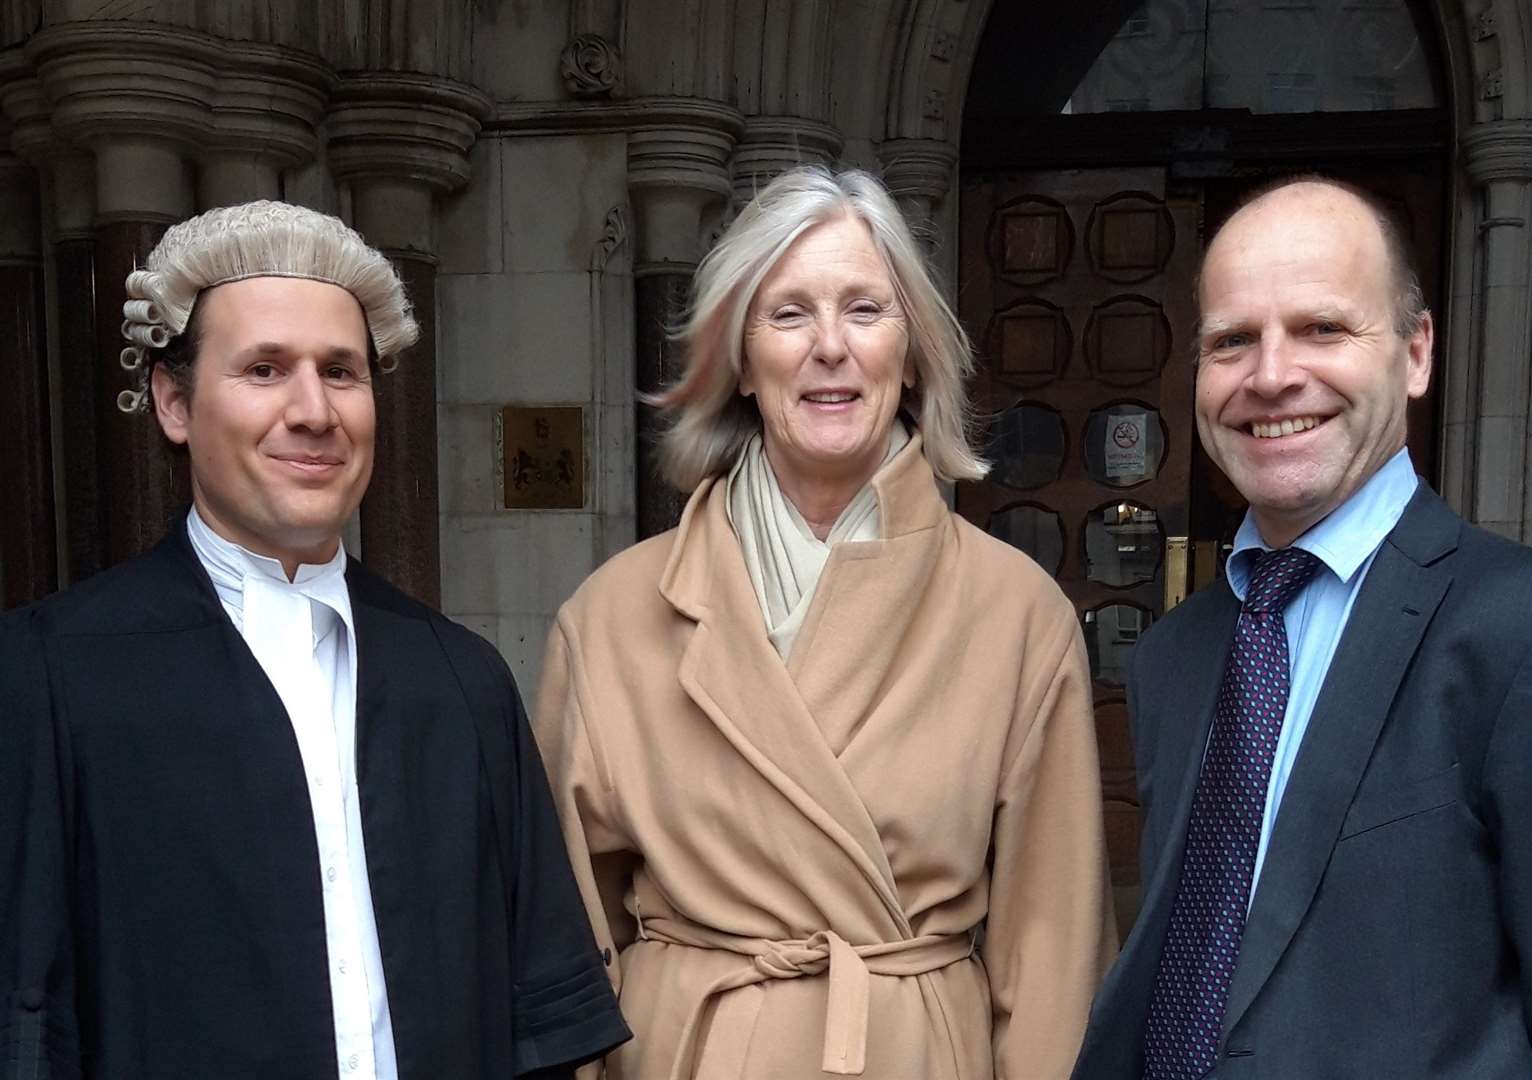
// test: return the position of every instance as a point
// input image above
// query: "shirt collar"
(1346, 538)
(229, 566)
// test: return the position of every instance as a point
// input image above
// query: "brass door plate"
(544, 456)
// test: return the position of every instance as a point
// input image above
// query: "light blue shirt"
(1346, 542)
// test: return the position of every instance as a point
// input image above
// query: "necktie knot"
(1278, 577)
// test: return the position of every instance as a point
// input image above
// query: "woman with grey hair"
(824, 753)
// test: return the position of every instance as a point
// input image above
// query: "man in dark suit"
(1334, 745)
(261, 815)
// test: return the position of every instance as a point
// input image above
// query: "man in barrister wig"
(262, 815)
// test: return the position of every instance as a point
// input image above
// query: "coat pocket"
(1373, 811)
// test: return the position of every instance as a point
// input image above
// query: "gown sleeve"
(1050, 934)
(601, 857)
(565, 1010)
(38, 1026)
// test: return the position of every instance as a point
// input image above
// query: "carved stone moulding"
(270, 101)
(678, 177)
(773, 144)
(404, 126)
(683, 142)
(110, 80)
(1499, 150)
(917, 168)
(591, 67)
(26, 108)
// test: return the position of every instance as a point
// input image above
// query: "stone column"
(82, 372)
(678, 179)
(1498, 157)
(138, 96)
(28, 545)
(773, 144)
(68, 219)
(399, 140)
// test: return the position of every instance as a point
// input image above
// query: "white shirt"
(301, 633)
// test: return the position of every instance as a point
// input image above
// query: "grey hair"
(711, 421)
(255, 239)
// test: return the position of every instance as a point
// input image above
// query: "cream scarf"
(781, 552)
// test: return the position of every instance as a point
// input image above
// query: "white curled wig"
(710, 421)
(256, 239)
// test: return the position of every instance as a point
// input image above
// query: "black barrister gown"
(160, 896)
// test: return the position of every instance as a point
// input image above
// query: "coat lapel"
(734, 675)
(1404, 586)
(868, 595)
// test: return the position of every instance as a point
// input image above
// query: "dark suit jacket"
(1390, 934)
(161, 911)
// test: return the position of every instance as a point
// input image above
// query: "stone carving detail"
(591, 67)
(613, 235)
(934, 106)
(944, 47)
(1492, 85)
(1484, 26)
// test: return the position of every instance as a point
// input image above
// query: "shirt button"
(342, 966)
(329, 874)
(353, 1062)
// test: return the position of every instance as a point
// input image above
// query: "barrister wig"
(256, 239)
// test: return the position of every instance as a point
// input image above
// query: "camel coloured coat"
(883, 857)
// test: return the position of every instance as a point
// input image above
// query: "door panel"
(1077, 289)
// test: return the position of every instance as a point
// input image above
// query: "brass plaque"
(544, 454)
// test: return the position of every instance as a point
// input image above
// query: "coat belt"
(849, 968)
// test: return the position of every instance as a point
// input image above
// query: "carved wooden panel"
(1032, 342)
(1129, 237)
(1127, 340)
(1031, 240)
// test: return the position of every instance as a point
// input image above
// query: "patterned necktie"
(1208, 916)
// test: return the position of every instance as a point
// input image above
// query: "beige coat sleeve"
(1050, 934)
(599, 852)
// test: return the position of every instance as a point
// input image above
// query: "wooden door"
(1077, 288)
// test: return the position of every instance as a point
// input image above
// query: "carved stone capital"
(591, 67)
(919, 169)
(678, 173)
(1498, 150)
(26, 108)
(773, 144)
(116, 80)
(404, 126)
(269, 101)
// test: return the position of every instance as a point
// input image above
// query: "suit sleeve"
(565, 1011)
(38, 1027)
(1050, 936)
(1507, 790)
(601, 857)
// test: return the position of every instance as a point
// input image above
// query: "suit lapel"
(733, 674)
(1404, 586)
